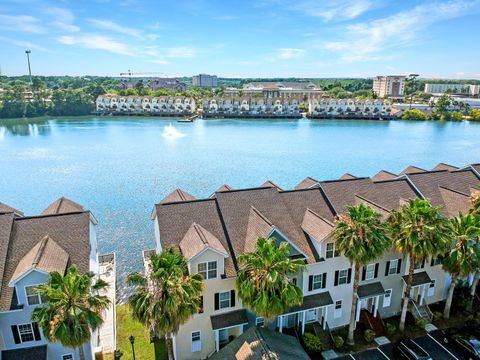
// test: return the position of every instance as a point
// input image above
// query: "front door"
(291, 320)
(311, 315)
(223, 337)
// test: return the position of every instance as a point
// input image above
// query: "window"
(260, 321)
(26, 332)
(392, 269)
(200, 307)
(208, 269)
(67, 357)
(436, 260)
(387, 298)
(370, 272)
(419, 264)
(431, 288)
(317, 282)
(331, 251)
(33, 297)
(338, 309)
(196, 341)
(342, 277)
(224, 299)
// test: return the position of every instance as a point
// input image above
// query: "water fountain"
(169, 131)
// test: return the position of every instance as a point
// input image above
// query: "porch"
(368, 302)
(420, 285)
(228, 326)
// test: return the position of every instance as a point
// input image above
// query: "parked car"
(407, 349)
(465, 344)
(472, 327)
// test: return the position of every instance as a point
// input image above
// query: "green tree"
(456, 116)
(414, 114)
(73, 308)
(360, 235)
(475, 115)
(263, 282)
(418, 231)
(463, 257)
(167, 296)
(442, 106)
(475, 210)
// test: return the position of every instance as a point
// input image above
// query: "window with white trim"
(338, 309)
(208, 269)
(224, 299)
(342, 277)
(431, 288)
(26, 332)
(67, 357)
(33, 297)
(196, 341)
(260, 321)
(392, 268)
(370, 272)
(317, 281)
(331, 251)
(387, 298)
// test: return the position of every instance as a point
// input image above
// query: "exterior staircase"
(420, 311)
(374, 323)
(324, 335)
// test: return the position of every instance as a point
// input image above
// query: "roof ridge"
(319, 216)
(372, 202)
(264, 218)
(455, 191)
(198, 228)
(41, 249)
(50, 215)
(340, 180)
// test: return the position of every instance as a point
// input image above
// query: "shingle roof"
(224, 187)
(419, 278)
(412, 170)
(6, 224)
(347, 176)
(71, 231)
(198, 239)
(312, 302)
(443, 166)
(258, 226)
(378, 208)
(62, 206)
(306, 183)
(369, 290)
(270, 183)
(177, 195)
(232, 318)
(46, 256)
(454, 201)
(316, 226)
(29, 353)
(4, 208)
(383, 175)
(258, 343)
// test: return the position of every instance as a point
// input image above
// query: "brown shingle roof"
(316, 226)
(198, 239)
(383, 175)
(373, 205)
(224, 188)
(270, 183)
(306, 183)
(454, 201)
(412, 170)
(4, 208)
(70, 231)
(347, 176)
(443, 166)
(62, 206)
(46, 256)
(177, 195)
(6, 224)
(258, 226)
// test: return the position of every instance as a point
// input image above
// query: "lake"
(119, 167)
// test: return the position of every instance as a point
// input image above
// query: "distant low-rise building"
(272, 89)
(204, 80)
(154, 105)
(155, 83)
(327, 107)
(392, 85)
(464, 89)
(251, 107)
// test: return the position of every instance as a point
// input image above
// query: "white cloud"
(60, 14)
(374, 39)
(22, 44)
(98, 42)
(65, 26)
(112, 26)
(334, 10)
(289, 53)
(180, 52)
(23, 23)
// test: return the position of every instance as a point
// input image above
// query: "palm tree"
(262, 282)
(475, 210)
(463, 257)
(417, 230)
(360, 235)
(73, 308)
(167, 296)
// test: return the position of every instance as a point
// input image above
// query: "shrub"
(391, 329)
(456, 116)
(338, 342)
(414, 114)
(420, 323)
(369, 335)
(313, 343)
(475, 115)
(461, 296)
(437, 315)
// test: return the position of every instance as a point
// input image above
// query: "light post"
(132, 341)
(28, 52)
(411, 80)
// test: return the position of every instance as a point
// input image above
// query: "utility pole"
(28, 52)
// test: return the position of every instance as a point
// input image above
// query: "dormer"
(319, 231)
(204, 253)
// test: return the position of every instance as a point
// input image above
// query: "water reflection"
(24, 127)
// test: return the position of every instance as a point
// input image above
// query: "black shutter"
(376, 271)
(217, 301)
(336, 278)
(387, 268)
(349, 276)
(364, 272)
(399, 265)
(232, 298)
(310, 283)
(200, 307)
(423, 263)
(324, 280)
(16, 335)
(432, 261)
(36, 332)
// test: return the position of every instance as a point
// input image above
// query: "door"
(223, 336)
(364, 304)
(311, 315)
(291, 320)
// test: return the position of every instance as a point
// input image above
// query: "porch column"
(359, 305)
(325, 310)
(241, 329)
(303, 321)
(375, 306)
(217, 340)
(280, 326)
(422, 295)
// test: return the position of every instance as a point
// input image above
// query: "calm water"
(120, 167)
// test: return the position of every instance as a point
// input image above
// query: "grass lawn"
(126, 326)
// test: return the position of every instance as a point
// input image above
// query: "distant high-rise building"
(392, 85)
(432, 88)
(204, 80)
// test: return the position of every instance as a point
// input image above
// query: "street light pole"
(132, 341)
(28, 52)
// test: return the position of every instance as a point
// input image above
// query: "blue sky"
(258, 38)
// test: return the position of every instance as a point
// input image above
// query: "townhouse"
(211, 233)
(349, 108)
(251, 107)
(151, 105)
(30, 248)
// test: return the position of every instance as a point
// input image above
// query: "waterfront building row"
(326, 107)
(251, 106)
(166, 105)
(30, 248)
(212, 232)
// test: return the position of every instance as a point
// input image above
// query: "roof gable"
(443, 166)
(316, 226)
(411, 170)
(4, 209)
(384, 175)
(306, 183)
(347, 176)
(198, 239)
(455, 201)
(270, 183)
(63, 206)
(258, 226)
(177, 195)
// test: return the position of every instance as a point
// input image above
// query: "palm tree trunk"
(475, 283)
(353, 312)
(169, 341)
(81, 352)
(448, 303)
(406, 295)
